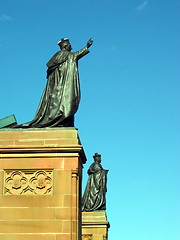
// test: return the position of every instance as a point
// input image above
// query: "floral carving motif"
(28, 182)
(41, 182)
(16, 182)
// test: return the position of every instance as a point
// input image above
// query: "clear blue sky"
(129, 110)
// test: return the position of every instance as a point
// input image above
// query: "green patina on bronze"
(7, 121)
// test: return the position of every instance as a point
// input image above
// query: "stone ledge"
(94, 218)
(47, 140)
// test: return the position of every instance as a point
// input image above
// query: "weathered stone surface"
(40, 177)
(94, 225)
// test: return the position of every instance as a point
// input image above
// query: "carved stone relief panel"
(104, 237)
(87, 237)
(28, 182)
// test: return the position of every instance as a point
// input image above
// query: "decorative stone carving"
(104, 237)
(41, 182)
(74, 173)
(87, 237)
(16, 182)
(28, 182)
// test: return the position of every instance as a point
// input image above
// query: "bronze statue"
(94, 197)
(61, 96)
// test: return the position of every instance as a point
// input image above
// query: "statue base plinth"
(94, 225)
(40, 184)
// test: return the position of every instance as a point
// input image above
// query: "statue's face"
(98, 159)
(68, 47)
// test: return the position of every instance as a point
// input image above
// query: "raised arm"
(89, 43)
(81, 53)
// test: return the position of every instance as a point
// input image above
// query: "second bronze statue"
(94, 198)
(61, 96)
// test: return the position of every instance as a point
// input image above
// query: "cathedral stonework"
(87, 237)
(28, 182)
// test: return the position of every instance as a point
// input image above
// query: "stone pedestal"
(94, 225)
(40, 184)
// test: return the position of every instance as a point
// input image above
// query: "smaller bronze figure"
(94, 197)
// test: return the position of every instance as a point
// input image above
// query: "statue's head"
(65, 44)
(97, 157)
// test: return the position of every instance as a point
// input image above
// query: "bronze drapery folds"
(94, 197)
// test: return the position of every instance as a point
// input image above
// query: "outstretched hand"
(90, 42)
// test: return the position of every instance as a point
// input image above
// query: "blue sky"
(129, 110)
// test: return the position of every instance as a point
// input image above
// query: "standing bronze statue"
(61, 96)
(94, 197)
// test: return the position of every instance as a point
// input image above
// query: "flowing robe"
(61, 96)
(94, 197)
